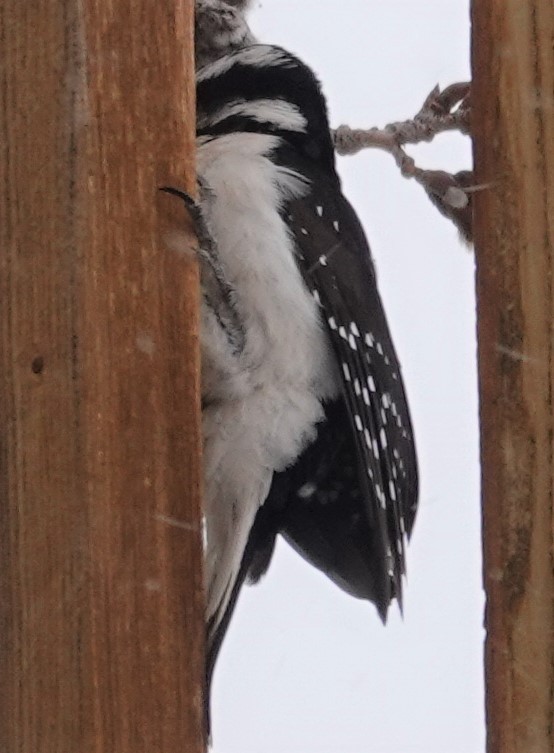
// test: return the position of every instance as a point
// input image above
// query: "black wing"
(335, 261)
(349, 501)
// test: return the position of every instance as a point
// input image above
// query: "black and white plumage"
(306, 426)
(220, 28)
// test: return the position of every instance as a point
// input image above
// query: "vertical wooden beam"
(513, 108)
(101, 611)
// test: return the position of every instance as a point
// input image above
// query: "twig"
(441, 112)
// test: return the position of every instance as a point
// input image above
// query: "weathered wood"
(513, 110)
(101, 608)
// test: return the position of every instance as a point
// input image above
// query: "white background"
(305, 668)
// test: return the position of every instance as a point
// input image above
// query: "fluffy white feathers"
(272, 390)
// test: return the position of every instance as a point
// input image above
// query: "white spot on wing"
(306, 490)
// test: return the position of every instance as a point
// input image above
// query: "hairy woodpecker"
(307, 431)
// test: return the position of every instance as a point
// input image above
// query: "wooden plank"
(513, 109)
(101, 605)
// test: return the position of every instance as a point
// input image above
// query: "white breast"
(264, 403)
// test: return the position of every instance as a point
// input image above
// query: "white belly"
(264, 403)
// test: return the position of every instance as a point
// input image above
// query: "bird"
(307, 432)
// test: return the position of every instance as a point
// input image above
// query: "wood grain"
(513, 109)
(101, 604)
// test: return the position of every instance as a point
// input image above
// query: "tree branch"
(442, 111)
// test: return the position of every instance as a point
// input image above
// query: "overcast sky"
(305, 668)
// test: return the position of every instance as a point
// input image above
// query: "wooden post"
(513, 108)
(101, 610)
